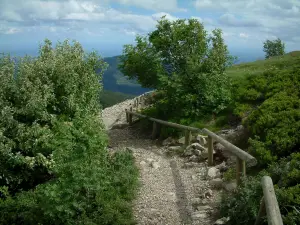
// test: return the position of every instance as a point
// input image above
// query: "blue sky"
(106, 25)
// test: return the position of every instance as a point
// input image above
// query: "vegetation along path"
(171, 191)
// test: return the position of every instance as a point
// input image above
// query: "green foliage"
(181, 56)
(233, 205)
(230, 174)
(35, 93)
(270, 103)
(285, 175)
(140, 62)
(54, 166)
(267, 98)
(274, 48)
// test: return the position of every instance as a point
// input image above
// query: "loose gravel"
(169, 192)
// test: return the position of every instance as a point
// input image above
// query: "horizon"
(107, 26)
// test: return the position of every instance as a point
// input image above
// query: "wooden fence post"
(210, 151)
(127, 119)
(240, 169)
(154, 130)
(130, 117)
(187, 140)
(271, 203)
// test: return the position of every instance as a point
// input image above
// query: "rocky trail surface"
(174, 190)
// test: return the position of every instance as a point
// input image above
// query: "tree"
(274, 48)
(185, 62)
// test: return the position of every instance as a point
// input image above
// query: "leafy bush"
(270, 105)
(233, 205)
(285, 175)
(54, 166)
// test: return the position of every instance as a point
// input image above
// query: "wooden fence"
(241, 156)
(269, 204)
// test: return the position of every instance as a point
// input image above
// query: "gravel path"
(169, 192)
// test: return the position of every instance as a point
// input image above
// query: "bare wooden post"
(261, 212)
(130, 117)
(210, 151)
(240, 169)
(127, 119)
(154, 130)
(187, 140)
(272, 208)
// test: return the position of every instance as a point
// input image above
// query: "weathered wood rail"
(269, 204)
(242, 156)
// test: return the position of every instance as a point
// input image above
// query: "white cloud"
(259, 18)
(243, 35)
(156, 5)
(4, 29)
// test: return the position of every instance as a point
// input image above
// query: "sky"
(106, 25)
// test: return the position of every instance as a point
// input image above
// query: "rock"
(188, 152)
(197, 152)
(222, 167)
(236, 136)
(174, 148)
(169, 141)
(202, 140)
(222, 221)
(191, 165)
(218, 174)
(198, 146)
(193, 158)
(217, 183)
(199, 215)
(219, 147)
(181, 140)
(230, 186)
(196, 201)
(208, 193)
(143, 163)
(155, 165)
(212, 172)
(204, 154)
(204, 208)
(149, 160)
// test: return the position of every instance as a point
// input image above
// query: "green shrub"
(54, 166)
(230, 174)
(285, 175)
(242, 207)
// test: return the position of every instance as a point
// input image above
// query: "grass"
(240, 71)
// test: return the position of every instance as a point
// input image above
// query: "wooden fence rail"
(269, 204)
(242, 156)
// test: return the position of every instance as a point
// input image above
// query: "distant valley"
(115, 81)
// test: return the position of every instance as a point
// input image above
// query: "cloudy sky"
(106, 25)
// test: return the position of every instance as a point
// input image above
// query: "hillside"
(243, 70)
(109, 98)
(115, 81)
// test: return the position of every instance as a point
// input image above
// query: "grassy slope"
(238, 73)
